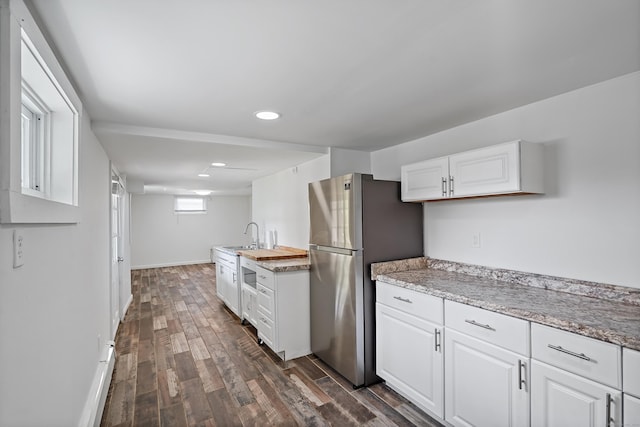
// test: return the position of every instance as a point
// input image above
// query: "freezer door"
(335, 207)
(337, 323)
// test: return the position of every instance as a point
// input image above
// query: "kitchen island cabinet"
(282, 317)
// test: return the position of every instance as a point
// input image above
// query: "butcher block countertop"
(606, 312)
(279, 253)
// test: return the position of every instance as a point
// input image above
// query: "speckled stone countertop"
(604, 319)
(280, 266)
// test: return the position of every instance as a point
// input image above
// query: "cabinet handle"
(437, 339)
(444, 187)
(234, 277)
(451, 185)
(521, 379)
(608, 411)
(404, 299)
(474, 323)
(262, 291)
(569, 352)
(262, 276)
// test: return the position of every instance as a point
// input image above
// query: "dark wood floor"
(184, 359)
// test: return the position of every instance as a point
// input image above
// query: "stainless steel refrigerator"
(355, 220)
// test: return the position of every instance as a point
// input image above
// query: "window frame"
(18, 205)
(178, 211)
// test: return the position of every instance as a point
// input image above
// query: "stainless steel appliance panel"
(335, 207)
(337, 322)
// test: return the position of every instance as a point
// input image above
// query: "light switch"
(18, 248)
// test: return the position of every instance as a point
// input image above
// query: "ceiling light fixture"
(267, 115)
(202, 192)
(203, 175)
(218, 164)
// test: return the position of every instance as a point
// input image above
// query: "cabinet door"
(562, 399)
(221, 281)
(485, 385)
(232, 290)
(491, 170)
(631, 411)
(409, 357)
(426, 180)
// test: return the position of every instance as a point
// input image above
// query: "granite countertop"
(281, 266)
(604, 319)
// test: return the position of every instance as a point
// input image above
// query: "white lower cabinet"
(282, 314)
(576, 380)
(227, 280)
(249, 304)
(562, 399)
(485, 385)
(631, 410)
(498, 370)
(409, 357)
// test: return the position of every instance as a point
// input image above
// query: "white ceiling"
(172, 85)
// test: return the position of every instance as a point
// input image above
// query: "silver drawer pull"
(263, 291)
(521, 379)
(262, 276)
(608, 418)
(572, 353)
(404, 299)
(474, 323)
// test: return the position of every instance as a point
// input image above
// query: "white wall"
(159, 237)
(54, 307)
(587, 224)
(343, 161)
(280, 202)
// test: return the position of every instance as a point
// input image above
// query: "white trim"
(123, 312)
(97, 396)
(170, 264)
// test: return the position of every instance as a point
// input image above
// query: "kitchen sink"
(239, 248)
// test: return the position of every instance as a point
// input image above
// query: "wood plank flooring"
(183, 359)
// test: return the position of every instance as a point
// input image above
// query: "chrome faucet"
(257, 233)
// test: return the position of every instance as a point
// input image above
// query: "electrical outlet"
(18, 248)
(475, 241)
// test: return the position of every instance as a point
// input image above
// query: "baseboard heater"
(92, 413)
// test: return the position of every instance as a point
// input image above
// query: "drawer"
(266, 301)
(265, 328)
(631, 371)
(495, 328)
(421, 305)
(588, 357)
(265, 277)
(248, 263)
(227, 259)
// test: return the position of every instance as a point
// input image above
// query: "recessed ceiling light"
(203, 175)
(202, 192)
(218, 164)
(267, 115)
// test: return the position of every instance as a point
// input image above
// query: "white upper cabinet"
(511, 168)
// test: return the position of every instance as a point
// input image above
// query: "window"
(40, 113)
(49, 130)
(187, 204)
(34, 142)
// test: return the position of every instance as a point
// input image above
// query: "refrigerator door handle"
(341, 251)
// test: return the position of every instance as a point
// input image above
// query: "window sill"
(18, 208)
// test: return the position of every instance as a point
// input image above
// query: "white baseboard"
(170, 264)
(97, 396)
(123, 312)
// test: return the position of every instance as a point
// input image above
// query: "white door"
(490, 170)
(409, 357)
(426, 180)
(631, 410)
(562, 399)
(117, 193)
(483, 386)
